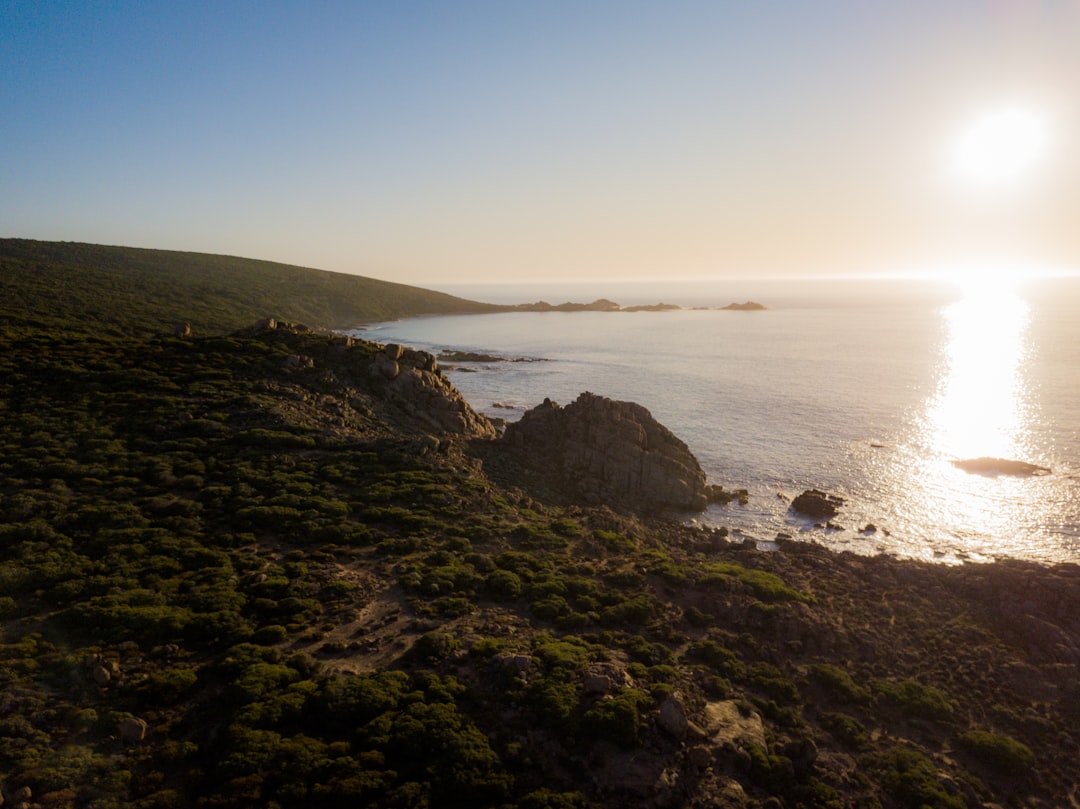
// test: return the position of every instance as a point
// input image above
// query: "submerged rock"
(1000, 466)
(604, 451)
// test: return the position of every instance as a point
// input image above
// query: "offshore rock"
(1000, 466)
(603, 451)
(817, 504)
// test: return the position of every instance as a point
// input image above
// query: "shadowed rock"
(603, 451)
(817, 504)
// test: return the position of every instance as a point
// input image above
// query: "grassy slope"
(65, 285)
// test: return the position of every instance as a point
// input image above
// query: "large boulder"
(817, 504)
(598, 450)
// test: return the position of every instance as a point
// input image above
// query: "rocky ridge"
(353, 386)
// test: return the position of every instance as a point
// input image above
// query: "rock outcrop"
(598, 450)
(817, 504)
(411, 380)
(346, 386)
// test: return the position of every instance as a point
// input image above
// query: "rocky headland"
(279, 567)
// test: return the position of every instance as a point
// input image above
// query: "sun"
(1001, 147)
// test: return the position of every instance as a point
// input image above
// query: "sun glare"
(1000, 147)
(985, 279)
(979, 410)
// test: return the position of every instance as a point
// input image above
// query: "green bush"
(766, 586)
(771, 681)
(847, 729)
(434, 647)
(719, 658)
(998, 752)
(838, 683)
(270, 635)
(911, 779)
(566, 655)
(916, 699)
(616, 718)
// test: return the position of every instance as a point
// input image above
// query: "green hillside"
(65, 285)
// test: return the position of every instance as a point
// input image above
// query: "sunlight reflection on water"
(981, 408)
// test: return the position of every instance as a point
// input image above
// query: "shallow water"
(867, 389)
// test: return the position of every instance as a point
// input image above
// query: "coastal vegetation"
(64, 285)
(236, 572)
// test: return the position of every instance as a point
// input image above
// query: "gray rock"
(133, 729)
(605, 678)
(297, 362)
(672, 717)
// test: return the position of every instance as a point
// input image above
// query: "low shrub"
(434, 647)
(916, 699)
(999, 752)
(718, 658)
(616, 718)
(911, 779)
(838, 683)
(270, 635)
(846, 729)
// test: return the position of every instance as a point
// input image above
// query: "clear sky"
(444, 142)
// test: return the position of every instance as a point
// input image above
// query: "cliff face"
(602, 451)
(411, 380)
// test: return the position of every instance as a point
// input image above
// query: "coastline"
(922, 505)
(278, 566)
(318, 551)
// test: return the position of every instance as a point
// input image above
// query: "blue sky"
(445, 142)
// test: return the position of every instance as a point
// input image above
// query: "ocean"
(867, 389)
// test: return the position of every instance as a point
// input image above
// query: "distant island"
(605, 305)
(749, 306)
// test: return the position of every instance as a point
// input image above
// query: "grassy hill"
(69, 285)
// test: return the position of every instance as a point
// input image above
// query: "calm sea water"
(867, 389)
